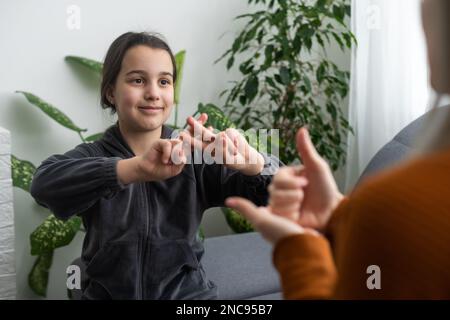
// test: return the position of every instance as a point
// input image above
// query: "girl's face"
(144, 93)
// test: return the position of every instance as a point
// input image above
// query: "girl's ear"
(110, 95)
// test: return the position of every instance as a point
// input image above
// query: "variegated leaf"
(22, 173)
(92, 65)
(179, 60)
(94, 137)
(51, 111)
(216, 117)
(38, 276)
(53, 233)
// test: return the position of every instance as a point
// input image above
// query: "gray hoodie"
(141, 239)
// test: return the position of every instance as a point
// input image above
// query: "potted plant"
(287, 79)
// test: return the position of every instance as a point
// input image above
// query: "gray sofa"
(399, 147)
(241, 264)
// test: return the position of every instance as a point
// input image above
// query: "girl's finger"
(229, 149)
(202, 119)
(194, 142)
(199, 131)
(234, 136)
(165, 148)
(182, 160)
(177, 153)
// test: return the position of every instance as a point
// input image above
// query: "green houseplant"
(287, 80)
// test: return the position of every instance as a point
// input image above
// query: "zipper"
(144, 246)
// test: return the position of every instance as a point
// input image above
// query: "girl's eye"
(164, 82)
(138, 81)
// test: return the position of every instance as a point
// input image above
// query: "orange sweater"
(398, 221)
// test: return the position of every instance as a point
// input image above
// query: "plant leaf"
(307, 83)
(92, 65)
(230, 62)
(94, 137)
(216, 117)
(236, 221)
(320, 73)
(51, 111)
(251, 88)
(38, 276)
(179, 60)
(285, 76)
(53, 233)
(201, 234)
(22, 173)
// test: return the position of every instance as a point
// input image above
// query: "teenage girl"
(141, 206)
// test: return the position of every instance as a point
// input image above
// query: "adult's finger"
(306, 149)
(246, 208)
(272, 227)
(289, 178)
(281, 196)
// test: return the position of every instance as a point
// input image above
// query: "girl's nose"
(151, 92)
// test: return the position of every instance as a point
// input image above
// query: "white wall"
(7, 261)
(35, 38)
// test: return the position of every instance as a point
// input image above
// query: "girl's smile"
(151, 110)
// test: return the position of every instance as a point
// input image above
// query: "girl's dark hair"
(116, 53)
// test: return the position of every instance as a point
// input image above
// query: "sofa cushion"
(400, 147)
(272, 296)
(241, 266)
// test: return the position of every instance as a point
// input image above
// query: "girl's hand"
(271, 226)
(307, 194)
(164, 159)
(228, 147)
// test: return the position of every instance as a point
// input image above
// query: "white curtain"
(389, 85)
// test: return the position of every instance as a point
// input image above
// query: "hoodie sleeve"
(71, 183)
(216, 183)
